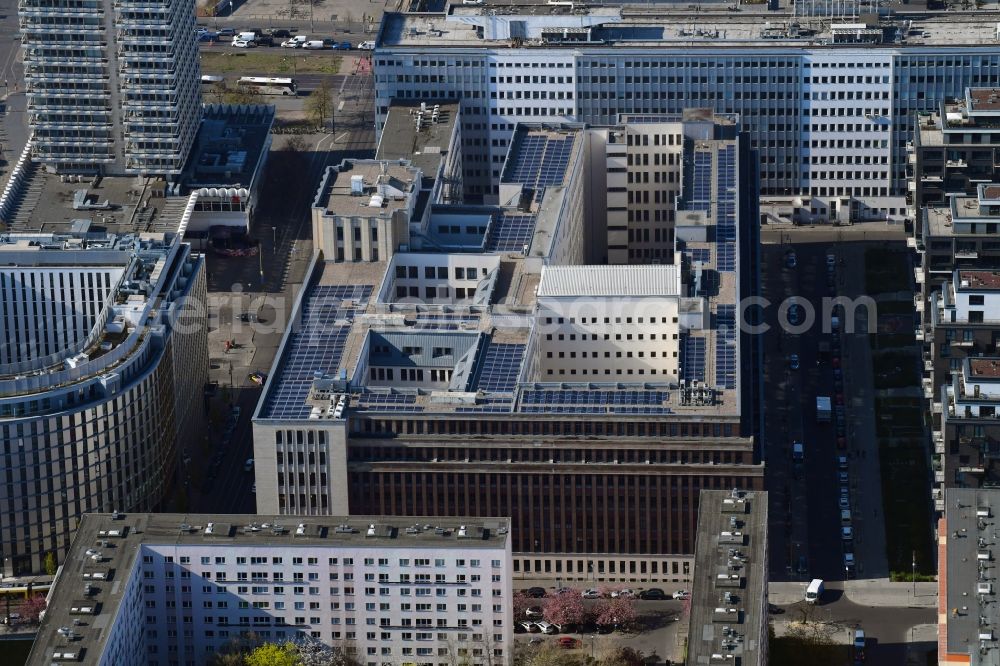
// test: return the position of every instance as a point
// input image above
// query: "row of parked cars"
(649, 594)
(246, 39)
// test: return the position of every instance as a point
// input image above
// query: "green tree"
(50, 563)
(319, 105)
(272, 654)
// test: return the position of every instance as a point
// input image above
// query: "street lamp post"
(593, 640)
(913, 575)
(274, 239)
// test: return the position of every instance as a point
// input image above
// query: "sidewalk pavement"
(862, 231)
(870, 592)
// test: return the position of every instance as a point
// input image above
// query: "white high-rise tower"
(112, 85)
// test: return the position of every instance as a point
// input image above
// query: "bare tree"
(320, 104)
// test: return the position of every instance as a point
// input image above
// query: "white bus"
(268, 86)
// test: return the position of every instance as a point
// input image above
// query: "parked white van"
(814, 591)
(314, 44)
(367, 46)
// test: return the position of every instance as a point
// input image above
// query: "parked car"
(280, 33)
(253, 488)
(790, 259)
(367, 46)
(243, 44)
(859, 639)
(248, 465)
(567, 642)
(529, 626)
(680, 594)
(793, 361)
(653, 593)
(831, 261)
(625, 593)
(344, 46)
(843, 477)
(847, 533)
(545, 627)
(590, 593)
(845, 502)
(227, 32)
(534, 611)
(535, 592)
(842, 462)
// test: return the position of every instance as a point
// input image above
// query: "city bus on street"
(268, 86)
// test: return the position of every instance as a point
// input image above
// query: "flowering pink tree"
(32, 607)
(565, 608)
(620, 612)
(522, 602)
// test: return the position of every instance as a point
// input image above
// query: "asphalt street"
(14, 128)
(265, 286)
(805, 494)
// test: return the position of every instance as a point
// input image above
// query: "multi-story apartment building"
(729, 607)
(828, 107)
(163, 589)
(968, 437)
(954, 149)
(421, 385)
(112, 86)
(103, 360)
(967, 582)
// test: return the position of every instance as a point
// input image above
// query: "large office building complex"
(161, 589)
(497, 370)
(827, 104)
(103, 359)
(112, 85)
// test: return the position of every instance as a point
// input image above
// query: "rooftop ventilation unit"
(371, 531)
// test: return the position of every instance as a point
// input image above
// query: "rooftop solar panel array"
(702, 254)
(725, 230)
(510, 232)
(725, 346)
(540, 161)
(387, 402)
(701, 182)
(593, 409)
(693, 368)
(594, 402)
(314, 347)
(500, 367)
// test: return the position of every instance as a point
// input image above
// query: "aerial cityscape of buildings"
(500, 332)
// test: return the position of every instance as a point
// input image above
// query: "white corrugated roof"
(558, 281)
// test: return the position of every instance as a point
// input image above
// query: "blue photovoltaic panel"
(539, 161)
(510, 232)
(594, 402)
(725, 346)
(725, 211)
(701, 182)
(500, 367)
(694, 359)
(315, 347)
(702, 254)
(726, 259)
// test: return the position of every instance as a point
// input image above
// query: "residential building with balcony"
(112, 86)
(968, 439)
(954, 149)
(162, 589)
